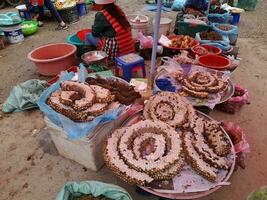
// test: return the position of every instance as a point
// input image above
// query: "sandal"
(64, 27)
(40, 24)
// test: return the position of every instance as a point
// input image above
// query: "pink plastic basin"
(51, 59)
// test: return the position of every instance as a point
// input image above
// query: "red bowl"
(214, 61)
(82, 34)
(175, 48)
(211, 49)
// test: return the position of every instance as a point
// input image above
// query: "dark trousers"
(50, 6)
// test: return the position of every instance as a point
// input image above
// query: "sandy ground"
(30, 166)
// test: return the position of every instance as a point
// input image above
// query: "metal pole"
(155, 42)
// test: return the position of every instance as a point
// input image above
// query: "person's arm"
(99, 24)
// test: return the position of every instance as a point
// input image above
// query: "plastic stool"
(128, 63)
(82, 10)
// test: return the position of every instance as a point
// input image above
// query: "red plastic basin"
(211, 49)
(51, 59)
(82, 34)
(214, 61)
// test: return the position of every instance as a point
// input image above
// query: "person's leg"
(91, 40)
(41, 15)
(54, 12)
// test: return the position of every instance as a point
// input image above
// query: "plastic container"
(23, 12)
(85, 151)
(211, 49)
(185, 28)
(13, 33)
(51, 59)
(29, 27)
(248, 5)
(82, 9)
(214, 61)
(69, 15)
(81, 47)
(82, 34)
(139, 23)
(236, 18)
(165, 26)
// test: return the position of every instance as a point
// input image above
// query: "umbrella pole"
(155, 42)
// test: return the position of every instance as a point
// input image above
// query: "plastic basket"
(185, 28)
(69, 15)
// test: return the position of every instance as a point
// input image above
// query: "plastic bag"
(235, 103)
(237, 136)
(223, 44)
(232, 34)
(146, 42)
(178, 5)
(73, 129)
(219, 18)
(168, 3)
(94, 188)
(200, 4)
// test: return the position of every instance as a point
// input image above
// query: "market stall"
(152, 131)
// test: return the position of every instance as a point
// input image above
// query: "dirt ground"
(30, 166)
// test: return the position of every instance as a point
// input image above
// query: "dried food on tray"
(201, 84)
(144, 152)
(182, 42)
(81, 102)
(151, 151)
(217, 139)
(196, 161)
(124, 93)
(170, 108)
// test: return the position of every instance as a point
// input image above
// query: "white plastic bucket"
(165, 26)
(139, 23)
(13, 33)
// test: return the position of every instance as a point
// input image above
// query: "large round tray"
(193, 195)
